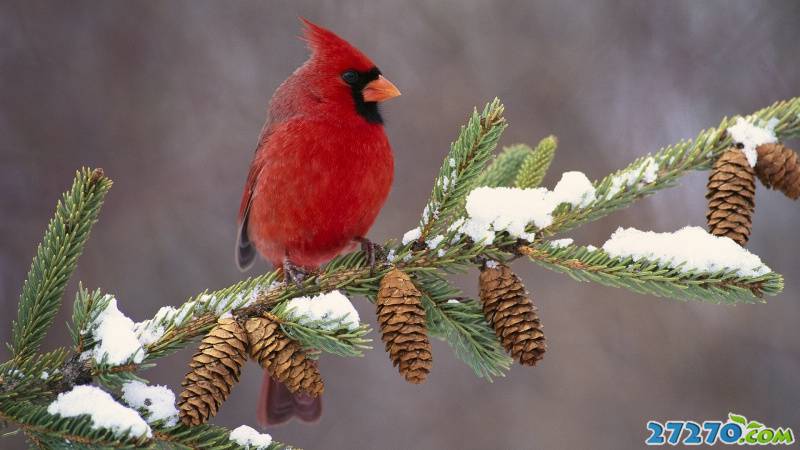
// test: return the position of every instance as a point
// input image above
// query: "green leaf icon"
(754, 424)
(742, 420)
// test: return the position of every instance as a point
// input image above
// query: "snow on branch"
(690, 249)
(249, 438)
(103, 410)
(689, 264)
(156, 402)
(651, 173)
(748, 136)
(496, 209)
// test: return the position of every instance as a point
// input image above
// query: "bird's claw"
(293, 273)
(372, 252)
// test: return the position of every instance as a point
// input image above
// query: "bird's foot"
(372, 250)
(293, 273)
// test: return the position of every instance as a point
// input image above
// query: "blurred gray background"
(169, 97)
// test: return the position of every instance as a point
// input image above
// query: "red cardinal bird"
(321, 173)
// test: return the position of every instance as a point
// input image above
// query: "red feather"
(321, 171)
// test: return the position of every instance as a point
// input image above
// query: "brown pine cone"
(215, 368)
(778, 168)
(511, 312)
(403, 330)
(731, 197)
(282, 357)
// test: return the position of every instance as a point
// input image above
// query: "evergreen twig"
(55, 260)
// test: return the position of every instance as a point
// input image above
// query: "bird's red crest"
(326, 45)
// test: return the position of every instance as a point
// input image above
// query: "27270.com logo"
(737, 430)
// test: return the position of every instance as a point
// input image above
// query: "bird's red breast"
(323, 166)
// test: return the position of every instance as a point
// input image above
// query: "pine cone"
(510, 310)
(778, 168)
(402, 321)
(215, 368)
(731, 197)
(282, 357)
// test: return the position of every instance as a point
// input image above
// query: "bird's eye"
(350, 77)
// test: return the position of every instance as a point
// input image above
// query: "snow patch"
(495, 209)
(151, 330)
(240, 300)
(688, 249)
(435, 241)
(103, 410)
(561, 243)
(574, 188)
(249, 438)
(411, 235)
(117, 342)
(751, 136)
(327, 306)
(158, 401)
(498, 209)
(648, 169)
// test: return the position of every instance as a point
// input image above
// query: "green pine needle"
(461, 324)
(503, 171)
(653, 278)
(55, 260)
(534, 167)
(460, 170)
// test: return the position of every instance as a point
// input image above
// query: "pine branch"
(652, 278)
(504, 169)
(35, 377)
(351, 274)
(625, 186)
(461, 169)
(330, 335)
(85, 310)
(55, 260)
(440, 249)
(53, 431)
(207, 437)
(198, 314)
(534, 167)
(460, 322)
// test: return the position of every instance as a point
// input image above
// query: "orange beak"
(379, 90)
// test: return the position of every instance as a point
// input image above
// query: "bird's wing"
(245, 251)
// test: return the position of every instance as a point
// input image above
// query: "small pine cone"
(778, 168)
(731, 197)
(215, 368)
(282, 357)
(403, 330)
(511, 312)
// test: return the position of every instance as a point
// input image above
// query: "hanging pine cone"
(282, 357)
(731, 197)
(509, 309)
(778, 168)
(215, 368)
(403, 330)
